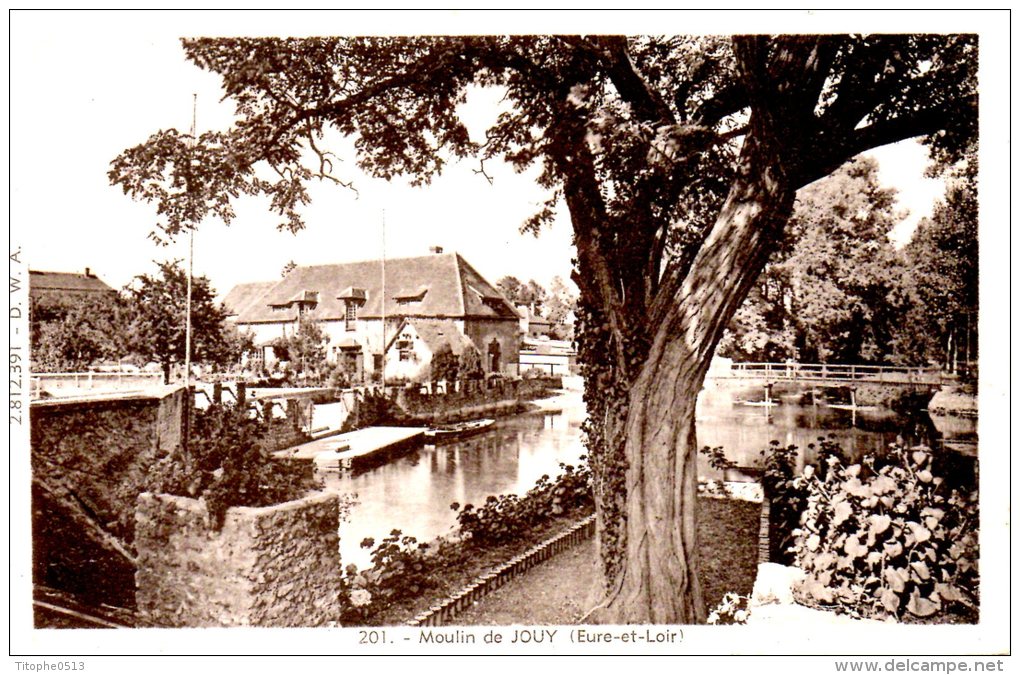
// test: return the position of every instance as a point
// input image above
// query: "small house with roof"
(49, 290)
(532, 324)
(361, 306)
(410, 350)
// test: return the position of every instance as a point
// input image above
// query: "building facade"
(361, 306)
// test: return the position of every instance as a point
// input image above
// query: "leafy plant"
(720, 462)
(717, 459)
(469, 364)
(400, 570)
(888, 542)
(732, 609)
(445, 364)
(503, 518)
(225, 464)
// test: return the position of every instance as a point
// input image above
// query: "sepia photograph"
(506, 333)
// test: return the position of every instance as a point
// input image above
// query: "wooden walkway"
(834, 375)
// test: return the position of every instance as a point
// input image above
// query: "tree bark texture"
(659, 582)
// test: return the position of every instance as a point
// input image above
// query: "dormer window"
(353, 298)
(304, 301)
(408, 296)
(351, 316)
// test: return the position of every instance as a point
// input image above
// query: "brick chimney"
(88, 272)
(436, 249)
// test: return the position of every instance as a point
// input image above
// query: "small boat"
(850, 406)
(449, 432)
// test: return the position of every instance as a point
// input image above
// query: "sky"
(86, 86)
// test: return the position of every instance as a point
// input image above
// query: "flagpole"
(382, 374)
(191, 257)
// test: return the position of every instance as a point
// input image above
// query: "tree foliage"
(445, 364)
(942, 259)
(304, 350)
(678, 159)
(80, 335)
(158, 309)
(833, 291)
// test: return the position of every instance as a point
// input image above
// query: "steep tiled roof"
(453, 289)
(242, 295)
(66, 281)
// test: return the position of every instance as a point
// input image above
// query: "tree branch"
(646, 103)
(830, 154)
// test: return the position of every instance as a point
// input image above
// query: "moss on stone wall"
(269, 566)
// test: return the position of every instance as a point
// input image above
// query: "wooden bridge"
(835, 375)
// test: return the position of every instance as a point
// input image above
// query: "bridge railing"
(70, 384)
(835, 372)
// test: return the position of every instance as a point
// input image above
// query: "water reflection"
(413, 493)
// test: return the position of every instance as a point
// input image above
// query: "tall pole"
(382, 359)
(191, 256)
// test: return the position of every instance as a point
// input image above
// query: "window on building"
(352, 316)
(406, 350)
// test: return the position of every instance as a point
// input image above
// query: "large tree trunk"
(658, 581)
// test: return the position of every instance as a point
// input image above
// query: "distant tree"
(533, 294)
(288, 268)
(304, 349)
(831, 292)
(844, 272)
(942, 272)
(560, 302)
(86, 332)
(157, 308)
(510, 287)
(445, 364)
(236, 343)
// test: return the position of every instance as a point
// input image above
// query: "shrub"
(372, 410)
(889, 541)
(400, 571)
(503, 518)
(225, 464)
(470, 364)
(787, 494)
(787, 498)
(444, 364)
(733, 609)
(402, 568)
(339, 377)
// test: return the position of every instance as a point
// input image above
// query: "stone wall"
(271, 566)
(505, 333)
(470, 398)
(95, 454)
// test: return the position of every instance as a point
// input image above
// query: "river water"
(413, 493)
